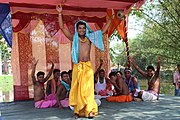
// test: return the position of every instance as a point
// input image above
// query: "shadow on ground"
(167, 108)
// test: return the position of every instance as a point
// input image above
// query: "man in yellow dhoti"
(82, 87)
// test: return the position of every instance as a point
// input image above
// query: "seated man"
(122, 91)
(52, 85)
(70, 74)
(39, 95)
(131, 81)
(102, 84)
(153, 82)
(120, 75)
(63, 90)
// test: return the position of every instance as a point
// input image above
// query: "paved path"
(167, 108)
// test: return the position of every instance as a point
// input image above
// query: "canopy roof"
(116, 4)
(92, 10)
(96, 7)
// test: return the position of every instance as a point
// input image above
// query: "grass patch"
(165, 87)
(6, 83)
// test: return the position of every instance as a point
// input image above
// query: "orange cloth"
(117, 24)
(120, 98)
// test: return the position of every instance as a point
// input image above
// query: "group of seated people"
(116, 88)
(119, 88)
(57, 88)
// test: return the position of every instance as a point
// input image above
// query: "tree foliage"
(160, 35)
(4, 49)
(160, 23)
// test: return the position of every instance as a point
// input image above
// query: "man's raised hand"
(113, 14)
(34, 61)
(59, 8)
(101, 61)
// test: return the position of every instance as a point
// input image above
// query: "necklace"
(83, 40)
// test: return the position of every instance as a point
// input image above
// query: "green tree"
(160, 34)
(4, 48)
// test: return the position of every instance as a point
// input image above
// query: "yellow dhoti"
(82, 90)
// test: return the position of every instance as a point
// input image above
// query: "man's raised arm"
(50, 72)
(158, 66)
(34, 63)
(61, 24)
(108, 23)
(136, 67)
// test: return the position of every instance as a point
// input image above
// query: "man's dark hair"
(150, 67)
(80, 23)
(70, 71)
(178, 65)
(56, 70)
(119, 72)
(63, 72)
(40, 73)
(101, 71)
(112, 74)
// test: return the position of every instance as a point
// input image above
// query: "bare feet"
(76, 116)
(91, 115)
(138, 99)
(61, 107)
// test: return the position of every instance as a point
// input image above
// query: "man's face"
(150, 72)
(81, 30)
(57, 75)
(40, 78)
(65, 77)
(70, 75)
(178, 67)
(101, 74)
(113, 78)
(127, 74)
(119, 75)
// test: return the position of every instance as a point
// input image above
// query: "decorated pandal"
(36, 33)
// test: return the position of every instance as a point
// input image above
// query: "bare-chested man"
(83, 76)
(122, 90)
(70, 74)
(39, 95)
(153, 81)
(52, 84)
(63, 90)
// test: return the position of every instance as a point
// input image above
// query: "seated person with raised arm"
(51, 87)
(122, 91)
(153, 82)
(39, 95)
(102, 84)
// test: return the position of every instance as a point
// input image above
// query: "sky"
(135, 26)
